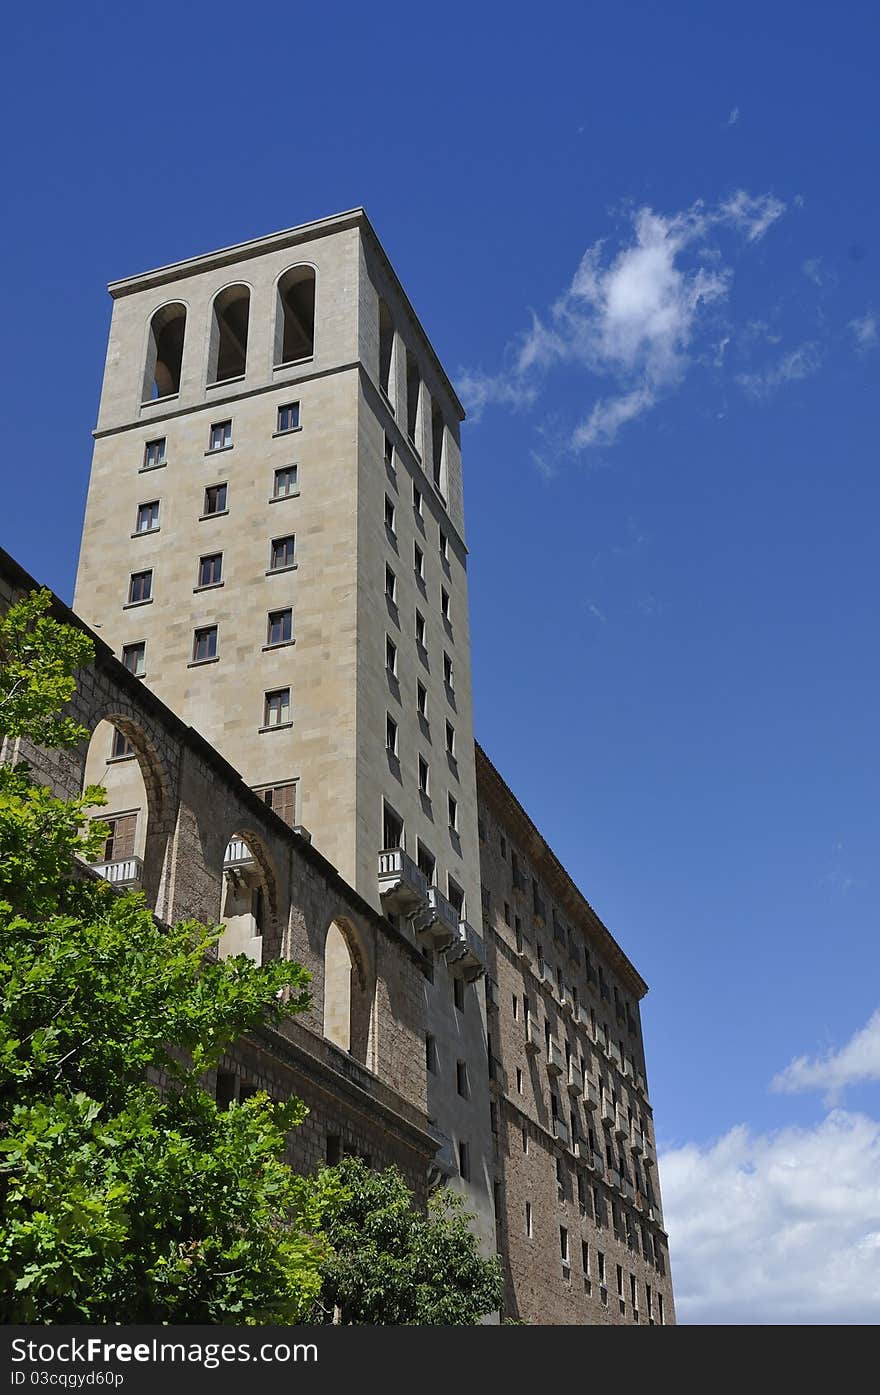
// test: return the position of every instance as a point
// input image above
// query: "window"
(392, 827)
(285, 482)
(447, 672)
(288, 417)
(563, 1245)
(211, 569)
(295, 315)
(119, 843)
(452, 805)
(418, 562)
(421, 699)
(215, 499)
(585, 1261)
(134, 658)
(438, 432)
(390, 734)
(503, 847)
(423, 775)
(426, 862)
(282, 553)
(444, 546)
(391, 656)
(413, 397)
(660, 1317)
(120, 746)
(420, 629)
(633, 1294)
(600, 1263)
(417, 500)
(280, 629)
(529, 1231)
(461, 1078)
(147, 517)
(386, 347)
(205, 644)
(430, 1053)
(390, 585)
(506, 912)
(154, 454)
(450, 738)
(221, 435)
(281, 800)
(458, 993)
(389, 514)
(389, 452)
(276, 712)
(164, 352)
(525, 1140)
(464, 1168)
(455, 896)
(140, 587)
(227, 351)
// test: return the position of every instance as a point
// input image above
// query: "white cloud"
(780, 1227)
(630, 315)
(812, 269)
(856, 1062)
(798, 363)
(865, 330)
(733, 117)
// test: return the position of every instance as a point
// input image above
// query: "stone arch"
(349, 991)
(228, 342)
(295, 315)
(164, 357)
(249, 897)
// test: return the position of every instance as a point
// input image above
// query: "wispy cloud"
(780, 1227)
(629, 315)
(854, 1063)
(733, 117)
(798, 363)
(865, 330)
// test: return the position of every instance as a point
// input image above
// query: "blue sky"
(644, 241)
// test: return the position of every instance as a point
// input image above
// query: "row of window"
(413, 405)
(424, 770)
(650, 1296)
(216, 499)
(220, 436)
(282, 558)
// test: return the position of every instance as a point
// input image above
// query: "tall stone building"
(274, 544)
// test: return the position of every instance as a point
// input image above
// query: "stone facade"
(577, 1192)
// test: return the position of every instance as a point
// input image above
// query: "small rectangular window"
(426, 862)
(221, 435)
(450, 738)
(455, 896)
(417, 500)
(390, 585)
(420, 629)
(140, 587)
(205, 644)
(288, 417)
(430, 1053)
(282, 554)
(285, 481)
(120, 746)
(563, 1243)
(211, 569)
(120, 841)
(461, 1078)
(464, 1163)
(421, 699)
(423, 775)
(444, 546)
(281, 800)
(215, 499)
(391, 656)
(389, 514)
(519, 1080)
(134, 658)
(418, 562)
(154, 453)
(390, 734)
(148, 517)
(392, 827)
(452, 805)
(280, 629)
(458, 993)
(444, 604)
(389, 452)
(276, 711)
(447, 672)
(529, 1231)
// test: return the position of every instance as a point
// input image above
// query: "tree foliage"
(390, 1264)
(120, 1202)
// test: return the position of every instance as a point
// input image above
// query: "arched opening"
(348, 993)
(227, 355)
(386, 349)
(295, 316)
(246, 899)
(413, 399)
(114, 762)
(164, 352)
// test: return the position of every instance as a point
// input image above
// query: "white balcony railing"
(466, 956)
(554, 1058)
(125, 871)
(561, 1131)
(237, 854)
(403, 887)
(436, 922)
(575, 1078)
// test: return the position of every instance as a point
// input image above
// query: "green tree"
(119, 1203)
(390, 1264)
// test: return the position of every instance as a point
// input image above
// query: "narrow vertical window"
(285, 482)
(147, 517)
(154, 454)
(220, 436)
(276, 710)
(227, 352)
(205, 644)
(280, 628)
(164, 352)
(295, 316)
(215, 500)
(140, 587)
(288, 418)
(134, 658)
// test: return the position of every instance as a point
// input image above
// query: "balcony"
(598, 1165)
(561, 1131)
(520, 883)
(628, 1189)
(539, 909)
(403, 887)
(607, 1111)
(591, 1093)
(554, 1058)
(465, 956)
(444, 1164)
(613, 1177)
(492, 1003)
(583, 1016)
(567, 1000)
(622, 1125)
(533, 1035)
(237, 854)
(649, 1156)
(583, 1151)
(436, 922)
(496, 1071)
(636, 1141)
(524, 951)
(125, 871)
(575, 1079)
